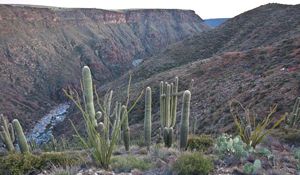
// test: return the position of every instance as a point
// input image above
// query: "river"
(42, 131)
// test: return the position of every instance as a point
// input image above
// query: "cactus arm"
(174, 102)
(167, 107)
(161, 103)
(147, 120)
(88, 93)
(7, 141)
(125, 127)
(184, 124)
(20, 136)
(11, 132)
(108, 103)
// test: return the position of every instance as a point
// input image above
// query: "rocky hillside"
(254, 57)
(259, 27)
(42, 49)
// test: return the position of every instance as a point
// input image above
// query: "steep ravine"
(42, 50)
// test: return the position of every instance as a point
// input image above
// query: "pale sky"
(204, 8)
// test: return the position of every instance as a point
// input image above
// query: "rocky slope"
(254, 57)
(259, 27)
(42, 49)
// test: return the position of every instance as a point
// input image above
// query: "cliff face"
(43, 49)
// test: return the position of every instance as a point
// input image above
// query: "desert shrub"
(226, 145)
(128, 163)
(159, 151)
(251, 168)
(193, 164)
(63, 158)
(200, 143)
(16, 164)
(251, 131)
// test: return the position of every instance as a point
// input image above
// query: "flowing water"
(42, 131)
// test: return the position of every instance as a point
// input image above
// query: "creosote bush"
(193, 164)
(200, 143)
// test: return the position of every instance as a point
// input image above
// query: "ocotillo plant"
(88, 94)
(147, 119)
(295, 115)
(168, 108)
(106, 111)
(184, 123)
(7, 134)
(20, 136)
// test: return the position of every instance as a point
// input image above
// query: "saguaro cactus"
(7, 134)
(125, 128)
(184, 124)
(20, 136)
(88, 93)
(168, 108)
(147, 120)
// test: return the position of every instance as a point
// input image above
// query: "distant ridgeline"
(215, 22)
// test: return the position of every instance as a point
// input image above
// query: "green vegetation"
(226, 146)
(185, 116)
(128, 163)
(107, 126)
(265, 152)
(296, 154)
(101, 145)
(250, 130)
(11, 132)
(88, 94)
(147, 120)
(17, 164)
(20, 136)
(200, 143)
(252, 168)
(7, 135)
(193, 164)
(168, 108)
(294, 117)
(125, 128)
